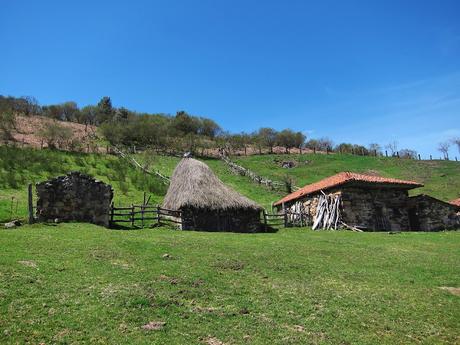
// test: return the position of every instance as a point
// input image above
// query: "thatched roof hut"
(207, 203)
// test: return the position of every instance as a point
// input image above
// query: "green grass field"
(441, 178)
(79, 283)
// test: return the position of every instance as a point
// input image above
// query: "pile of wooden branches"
(327, 212)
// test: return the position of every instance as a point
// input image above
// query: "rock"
(288, 164)
(154, 325)
(13, 224)
(166, 256)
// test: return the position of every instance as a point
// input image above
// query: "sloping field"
(18, 167)
(441, 178)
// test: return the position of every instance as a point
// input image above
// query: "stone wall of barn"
(74, 197)
(382, 209)
(372, 209)
(430, 214)
(238, 220)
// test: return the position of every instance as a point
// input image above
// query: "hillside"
(27, 131)
(21, 166)
(441, 178)
(79, 283)
(18, 167)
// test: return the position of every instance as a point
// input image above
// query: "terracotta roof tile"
(455, 202)
(342, 178)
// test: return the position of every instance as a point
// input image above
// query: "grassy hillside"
(19, 167)
(441, 178)
(79, 283)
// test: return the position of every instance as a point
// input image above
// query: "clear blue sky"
(355, 71)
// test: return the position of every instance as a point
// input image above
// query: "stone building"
(206, 203)
(430, 214)
(371, 203)
(74, 197)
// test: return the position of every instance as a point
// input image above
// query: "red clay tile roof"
(455, 202)
(342, 178)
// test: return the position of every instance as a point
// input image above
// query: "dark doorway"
(381, 221)
(414, 223)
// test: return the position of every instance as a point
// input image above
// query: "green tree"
(268, 137)
(105, 110)
(7, 124)
(56, 135)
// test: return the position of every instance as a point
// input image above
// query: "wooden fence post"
(142, 210)
(132, 215)
(265, 220)
(158, 215)
(285, 219)
(419, 158)
(431, 157)
(30, 203)
(112, 206)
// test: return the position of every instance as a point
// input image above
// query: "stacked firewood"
(327, 212)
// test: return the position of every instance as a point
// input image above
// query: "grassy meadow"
(79, 283)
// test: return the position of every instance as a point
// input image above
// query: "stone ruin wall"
(74, 197)
(435, 215)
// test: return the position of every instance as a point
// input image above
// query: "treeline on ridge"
(179, 132)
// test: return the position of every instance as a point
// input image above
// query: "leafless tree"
(393, 147)
(456, 141)
(375, 148)
(408, 153)
(444, 149)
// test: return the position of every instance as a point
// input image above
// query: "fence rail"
(148, 215)
(144, 214)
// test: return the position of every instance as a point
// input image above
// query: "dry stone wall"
(74, 197)
(433, 215)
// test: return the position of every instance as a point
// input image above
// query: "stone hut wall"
(74, 197)
(370, 208)
(238, 220)
(380, 209)
(430, 214)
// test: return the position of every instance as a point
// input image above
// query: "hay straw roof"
(194, 184)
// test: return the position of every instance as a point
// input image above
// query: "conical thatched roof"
(194, 184)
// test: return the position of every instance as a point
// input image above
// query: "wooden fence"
(287, 219)
(143, 215)
(149, 216)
